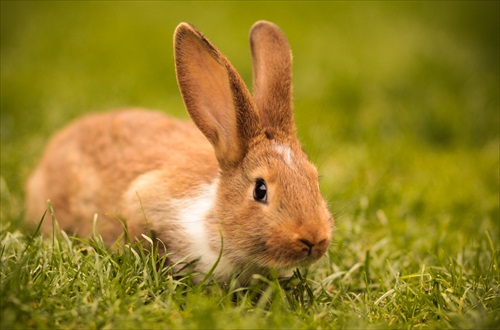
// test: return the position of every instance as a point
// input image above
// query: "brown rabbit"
(238, 177)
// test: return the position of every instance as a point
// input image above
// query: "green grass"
(397, 103)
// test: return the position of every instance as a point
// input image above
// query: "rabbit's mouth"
(296, 245)
(294, 253)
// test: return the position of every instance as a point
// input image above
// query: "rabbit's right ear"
(272, 77)
(215, 95)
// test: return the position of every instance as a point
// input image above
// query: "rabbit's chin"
(250, 266)
(288, 268)
(245, 275)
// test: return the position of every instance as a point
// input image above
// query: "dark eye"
(260, 191)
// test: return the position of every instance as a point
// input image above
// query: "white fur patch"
(285, 151)
(191, 213)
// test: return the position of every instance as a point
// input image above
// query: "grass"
(397, 103)
(74, 283)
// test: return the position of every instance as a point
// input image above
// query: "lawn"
(397, 103)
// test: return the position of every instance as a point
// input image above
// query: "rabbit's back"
(88, 166)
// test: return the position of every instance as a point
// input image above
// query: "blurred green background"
(396, 102)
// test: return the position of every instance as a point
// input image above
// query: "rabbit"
(234, 189)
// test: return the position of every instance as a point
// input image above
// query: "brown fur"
(272, 76)
(144, 167)
(219, 103)
(88, 166)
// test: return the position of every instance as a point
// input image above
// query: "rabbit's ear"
(215, 95)
(272, 77)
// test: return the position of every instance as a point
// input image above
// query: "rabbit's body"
(81, 175)
(238, 180)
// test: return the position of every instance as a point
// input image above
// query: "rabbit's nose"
(314, 247)
(307, 246)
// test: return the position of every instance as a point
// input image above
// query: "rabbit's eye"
(260, 191)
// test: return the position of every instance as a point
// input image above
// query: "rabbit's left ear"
(215, 96)
(272, 77)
